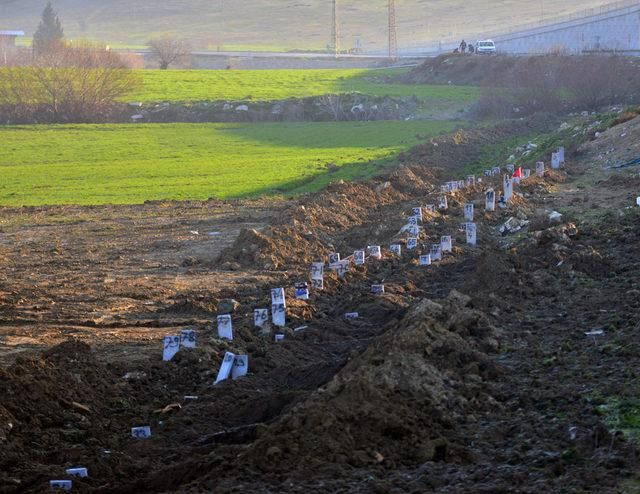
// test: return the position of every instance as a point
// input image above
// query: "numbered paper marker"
(377, 289)
(358, 257)
(141, 432)
(278, 314)
(225, 330)
(279, 337)
(277, 296)
(188, 338)
(77, 472)
(468, 211)
(60, 485)
(526, 173)
(446, 243)
(425, 260)
(417, 212)
(351, 315)
(260, 317)
(560, 153)
(490, 200)
(436, 252)
(225, 367)
(240, 366)
(540, 169)
(471, 233)
(396, 249)
(171, 346)
(413, 230)
(343, 268)
(431, 208)
(495, 171)
(487, 173)
(412, 221)
(317, 284)
(412, 243)
(511, 168)
(301, 291)
(443, 204)
(334, 260)
(375, 251)
(555, 161)
(471, 180)
(317, 270)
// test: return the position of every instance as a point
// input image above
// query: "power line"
(335, 42)
(393, 35)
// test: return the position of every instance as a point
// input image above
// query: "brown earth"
(473, 375)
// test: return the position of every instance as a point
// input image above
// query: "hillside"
(283, 24)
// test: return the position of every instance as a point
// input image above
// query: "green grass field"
(267, 85)
(128, 164)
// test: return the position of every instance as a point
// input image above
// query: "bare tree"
(170, 50)
(79, 83)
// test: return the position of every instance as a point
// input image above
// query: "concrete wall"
(618, 30)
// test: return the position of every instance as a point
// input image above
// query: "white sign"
(412, 243)
(490, 200)
(374, 251)
(188, 338)
(377, 289)
(317, 284)
(442, 203)
(77, 472)
(240, 366)
(170, 346)
(358, 257)
(495, 171)
(225, 330)
(60, 485)
(461, 184)
(487, 173)
(277, 296)
(260, 317)
(413, 221)
(301, 291)
(396, 249)
(511, 168)
(471, 231)
(471, 180)
(555, 161)
(560, 153)
(446, 243)
(343, 268)
(540, 169)
(225, 367)
(436, 252)
(317, 270)
(431, 208)
(508, 188)
(278, 314)
(279, 337)
(425, 260)
(141, 432)
(351, 315)
(417, 212)
(413, 231)
(526, 173)
(334, 259)
(468, 211)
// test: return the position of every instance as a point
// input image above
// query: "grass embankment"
(270, 85)
(128, 164)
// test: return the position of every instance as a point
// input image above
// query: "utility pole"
(335, 44)
(393, 36)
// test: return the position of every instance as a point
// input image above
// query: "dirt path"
(429, 390)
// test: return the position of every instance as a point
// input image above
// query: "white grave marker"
(334, 260)
(490, 200)
(77, 472)
(560, 153)
(461, 184)
(425, 260)
(413, 231)
(60, 485)
(555, 161)
(225, 329)
(317, 285)
(170, 346)
(442, 203)
(526, 173)
(396, 249)
(436, 252)
(431, 208)
(417, 212)
(412, 243)
(468, 211)
(277, 296)
(508, 188)
(495, 171)
(279, 337)
(143, 432)
(374, 251)
(240, 366)
(413, 221)
(260, 317)
(301, 291)
(188, 338)
(471, 231)
(351, 315)
(540, 169)
(358, 257)
(225, 367)
(317, 270)
(278, 314)
(471, 180)
(511, 168)
(377, 289)
(343, 268)
(487, 173)
(446, 243)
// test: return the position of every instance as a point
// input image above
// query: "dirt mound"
(396, 404)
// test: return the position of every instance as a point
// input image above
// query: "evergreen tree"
(49, 34)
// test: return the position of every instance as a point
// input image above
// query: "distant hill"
(284, 24)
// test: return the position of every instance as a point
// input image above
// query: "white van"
(486, 47)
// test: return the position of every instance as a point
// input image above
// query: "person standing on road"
(463, 46)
